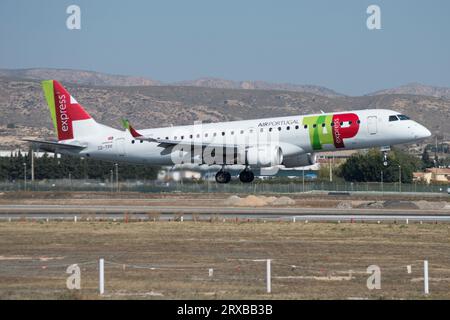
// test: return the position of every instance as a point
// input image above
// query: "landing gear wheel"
(223, 177)
(246, 176)
(385, 161)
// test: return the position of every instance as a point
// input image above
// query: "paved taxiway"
(68, 212)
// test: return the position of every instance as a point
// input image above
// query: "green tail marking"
(47, 86)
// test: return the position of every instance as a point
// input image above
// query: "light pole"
(24, 176)
(303, 180)
(382, 187)
(331, 171)
(32, 166)
(117, 176)
(400, 178)
(112, 180)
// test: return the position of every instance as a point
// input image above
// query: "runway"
(118, 212)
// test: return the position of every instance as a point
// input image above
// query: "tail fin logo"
(63, 116)
(64, 109)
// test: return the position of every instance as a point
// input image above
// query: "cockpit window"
(403, 117)
(393, 118)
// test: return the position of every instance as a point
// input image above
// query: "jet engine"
(263, 156)
(299, 160)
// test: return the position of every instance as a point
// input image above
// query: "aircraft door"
(372, 124)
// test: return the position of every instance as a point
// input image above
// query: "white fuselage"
(294, 134)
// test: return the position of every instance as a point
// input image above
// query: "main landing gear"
(246, 176)
(223, 176)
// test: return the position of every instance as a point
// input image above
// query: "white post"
(293, 219)
(425, 277)
(407, 221)
(210, 272)
(75, 219)
(101, 268)
(268, 276)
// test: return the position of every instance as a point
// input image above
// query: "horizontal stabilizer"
(54, 146)
(126, 124)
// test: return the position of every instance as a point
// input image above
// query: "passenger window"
(393, 118)
(288, 128)
(296, 127)
(305, 126)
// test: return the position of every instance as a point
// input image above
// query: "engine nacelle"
(299, 160)
(263, 156)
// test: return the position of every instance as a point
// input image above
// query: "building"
(335, 157)
(440, 175)
(178, 175)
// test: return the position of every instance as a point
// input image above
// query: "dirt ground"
(307, 200)
(171, 260)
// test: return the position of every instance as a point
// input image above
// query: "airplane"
(290, 141)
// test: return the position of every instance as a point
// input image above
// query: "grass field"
(171, 260)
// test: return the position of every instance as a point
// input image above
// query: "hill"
(258, 85)
(417, 89)
(78, 76)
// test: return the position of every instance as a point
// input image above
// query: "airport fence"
(237, 278)
(208, 186)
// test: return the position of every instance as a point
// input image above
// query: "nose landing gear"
(385, 161)
(385, 151)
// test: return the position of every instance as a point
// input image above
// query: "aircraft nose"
(422, 132)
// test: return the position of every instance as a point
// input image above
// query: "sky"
(317, 42)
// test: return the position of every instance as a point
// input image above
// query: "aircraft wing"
(168, 142)
(54, 146)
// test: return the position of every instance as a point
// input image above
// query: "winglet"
(126, 124)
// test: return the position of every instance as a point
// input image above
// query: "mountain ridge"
(93, 78)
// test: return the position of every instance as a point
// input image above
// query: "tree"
(426, 161)
(11, 168)
(368, 167)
